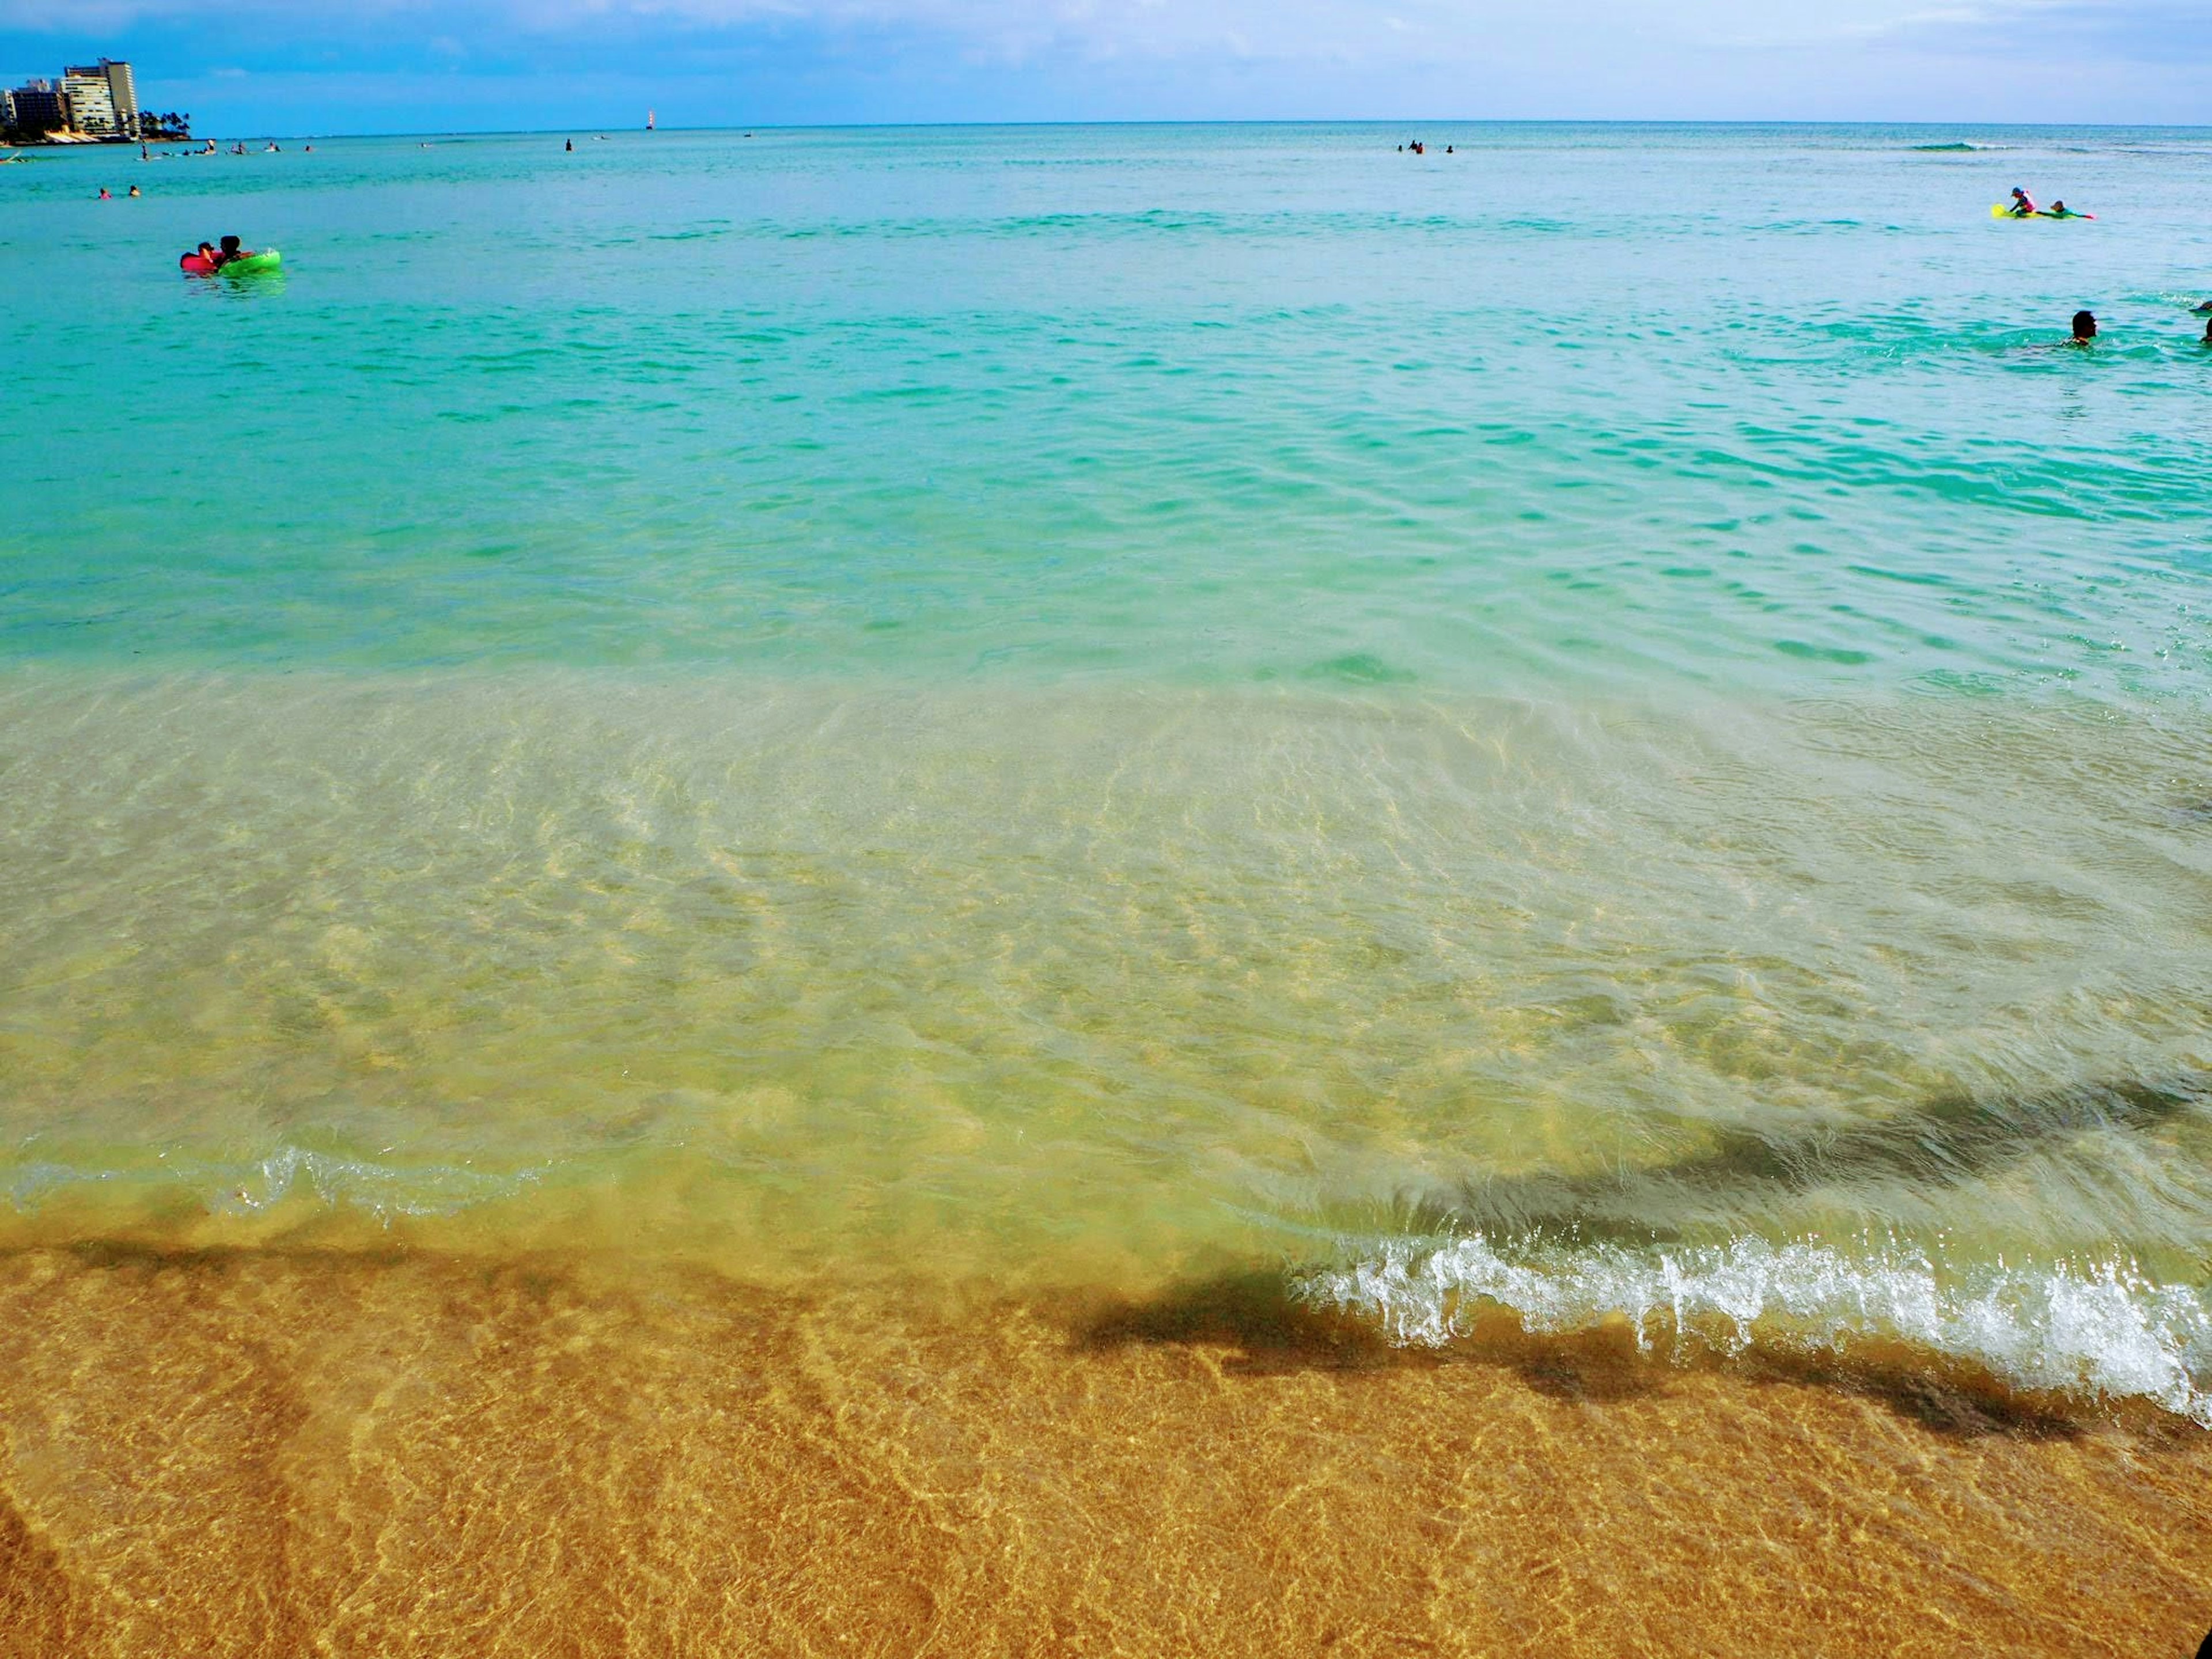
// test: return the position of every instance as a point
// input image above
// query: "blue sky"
(294, 66)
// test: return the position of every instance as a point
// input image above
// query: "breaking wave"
(2103, 1332)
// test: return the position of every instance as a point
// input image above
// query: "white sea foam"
(2103, 1331)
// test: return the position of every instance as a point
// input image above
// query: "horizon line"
(271, 135)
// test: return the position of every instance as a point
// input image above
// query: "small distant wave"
(250, 1188)
(380, 1189)
(2102, 1332)
(1956, 150)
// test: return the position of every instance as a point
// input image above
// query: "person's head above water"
(2019, 193)
(230, 245)
(2085, 325)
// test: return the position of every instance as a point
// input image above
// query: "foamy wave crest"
(2104, 1332)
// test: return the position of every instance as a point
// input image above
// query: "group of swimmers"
(1417, 147)
(2023, 207)
(212, 258)
(106, 195)
(2085, 326)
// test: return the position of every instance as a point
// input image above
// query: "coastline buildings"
(94, 100)
(37, 107)
(91, 103)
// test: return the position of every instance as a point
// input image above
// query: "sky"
(330, 66)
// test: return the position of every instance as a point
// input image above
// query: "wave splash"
(2104, 1332)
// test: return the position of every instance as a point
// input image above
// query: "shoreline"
(235, 1452)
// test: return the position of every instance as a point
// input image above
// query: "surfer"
(2060, 210)
(2023, 204)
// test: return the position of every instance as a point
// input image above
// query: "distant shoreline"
(1384, 123)
(88, 141)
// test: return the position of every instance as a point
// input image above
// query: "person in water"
(134, 190)
(2023, 204)
(2084, 328)
(232, 251)
(2060, 210)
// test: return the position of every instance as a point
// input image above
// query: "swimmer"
(2060, 210)
(2207, 340)
(134, 190)
(232, 251)
(2084, 328)
(2023, 204)
(103, 196)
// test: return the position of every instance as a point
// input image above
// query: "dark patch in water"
(1253, 1311)
(1361, 668)
(1950, 1141)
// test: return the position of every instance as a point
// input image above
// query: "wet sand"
(280, 1451)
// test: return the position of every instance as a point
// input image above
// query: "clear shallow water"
(1067, 705)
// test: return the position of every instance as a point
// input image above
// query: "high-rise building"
(40, 107)
(123, 93)
(91, 103)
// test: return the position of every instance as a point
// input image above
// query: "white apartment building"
(90, 101)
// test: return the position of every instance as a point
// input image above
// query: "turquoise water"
(1602, 723)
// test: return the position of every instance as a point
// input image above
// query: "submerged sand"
(274, 1451)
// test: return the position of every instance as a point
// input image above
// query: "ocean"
(1195, 887)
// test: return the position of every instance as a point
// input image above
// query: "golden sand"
(274, 1452)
